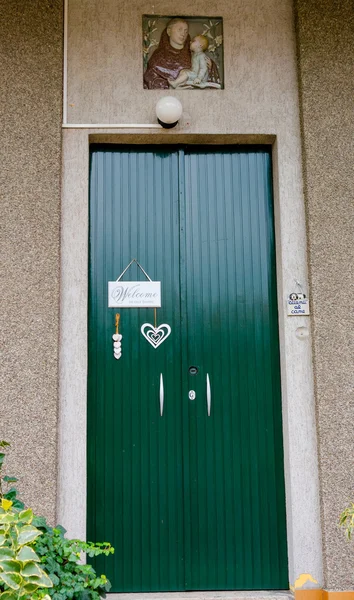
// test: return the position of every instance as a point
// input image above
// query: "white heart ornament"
(117, 345)
(155, 335)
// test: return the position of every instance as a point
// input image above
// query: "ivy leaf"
(17, 503)
(55, 579)
(40, 522)
(59, 596)
(73, 557)
(12, 580)
(11, 494)
(60, 529)
(10, 479)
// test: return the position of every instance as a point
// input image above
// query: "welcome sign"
(134, 294)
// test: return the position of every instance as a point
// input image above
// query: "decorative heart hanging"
(117, 340)
(155, 335)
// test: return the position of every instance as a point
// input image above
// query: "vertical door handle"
(161, 395)
(208, 394)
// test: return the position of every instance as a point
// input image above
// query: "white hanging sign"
(134, 294)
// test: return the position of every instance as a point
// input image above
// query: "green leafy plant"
(346, 520)
(20, 573)
(10, 493)
(60, 557)
(57, 557)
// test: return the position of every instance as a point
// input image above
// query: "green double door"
(185, 459)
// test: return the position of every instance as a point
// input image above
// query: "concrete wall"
(30, 114)
(326, 67)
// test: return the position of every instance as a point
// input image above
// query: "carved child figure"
(199, 72)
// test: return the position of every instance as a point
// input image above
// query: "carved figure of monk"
(170, 57)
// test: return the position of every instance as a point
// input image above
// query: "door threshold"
(220, 595)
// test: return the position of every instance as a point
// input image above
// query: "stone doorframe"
(299, 427)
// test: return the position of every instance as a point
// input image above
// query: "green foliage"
(30, 550)
(346, 520)
(20, 573)
(60, 557)
(11, 492)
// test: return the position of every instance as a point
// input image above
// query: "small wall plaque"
(298, 305)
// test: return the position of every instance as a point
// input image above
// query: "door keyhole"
(193, 370)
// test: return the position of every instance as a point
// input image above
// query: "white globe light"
(168, 111)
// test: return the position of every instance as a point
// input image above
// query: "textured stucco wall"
(326, 68)
(30, 114)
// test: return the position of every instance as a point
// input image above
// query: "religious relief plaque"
(184, 53)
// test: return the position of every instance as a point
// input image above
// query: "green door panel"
(235, 462)
(135, 493)
(189, 501)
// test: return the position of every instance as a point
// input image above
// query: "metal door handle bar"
(161, 395)
(208, 394)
